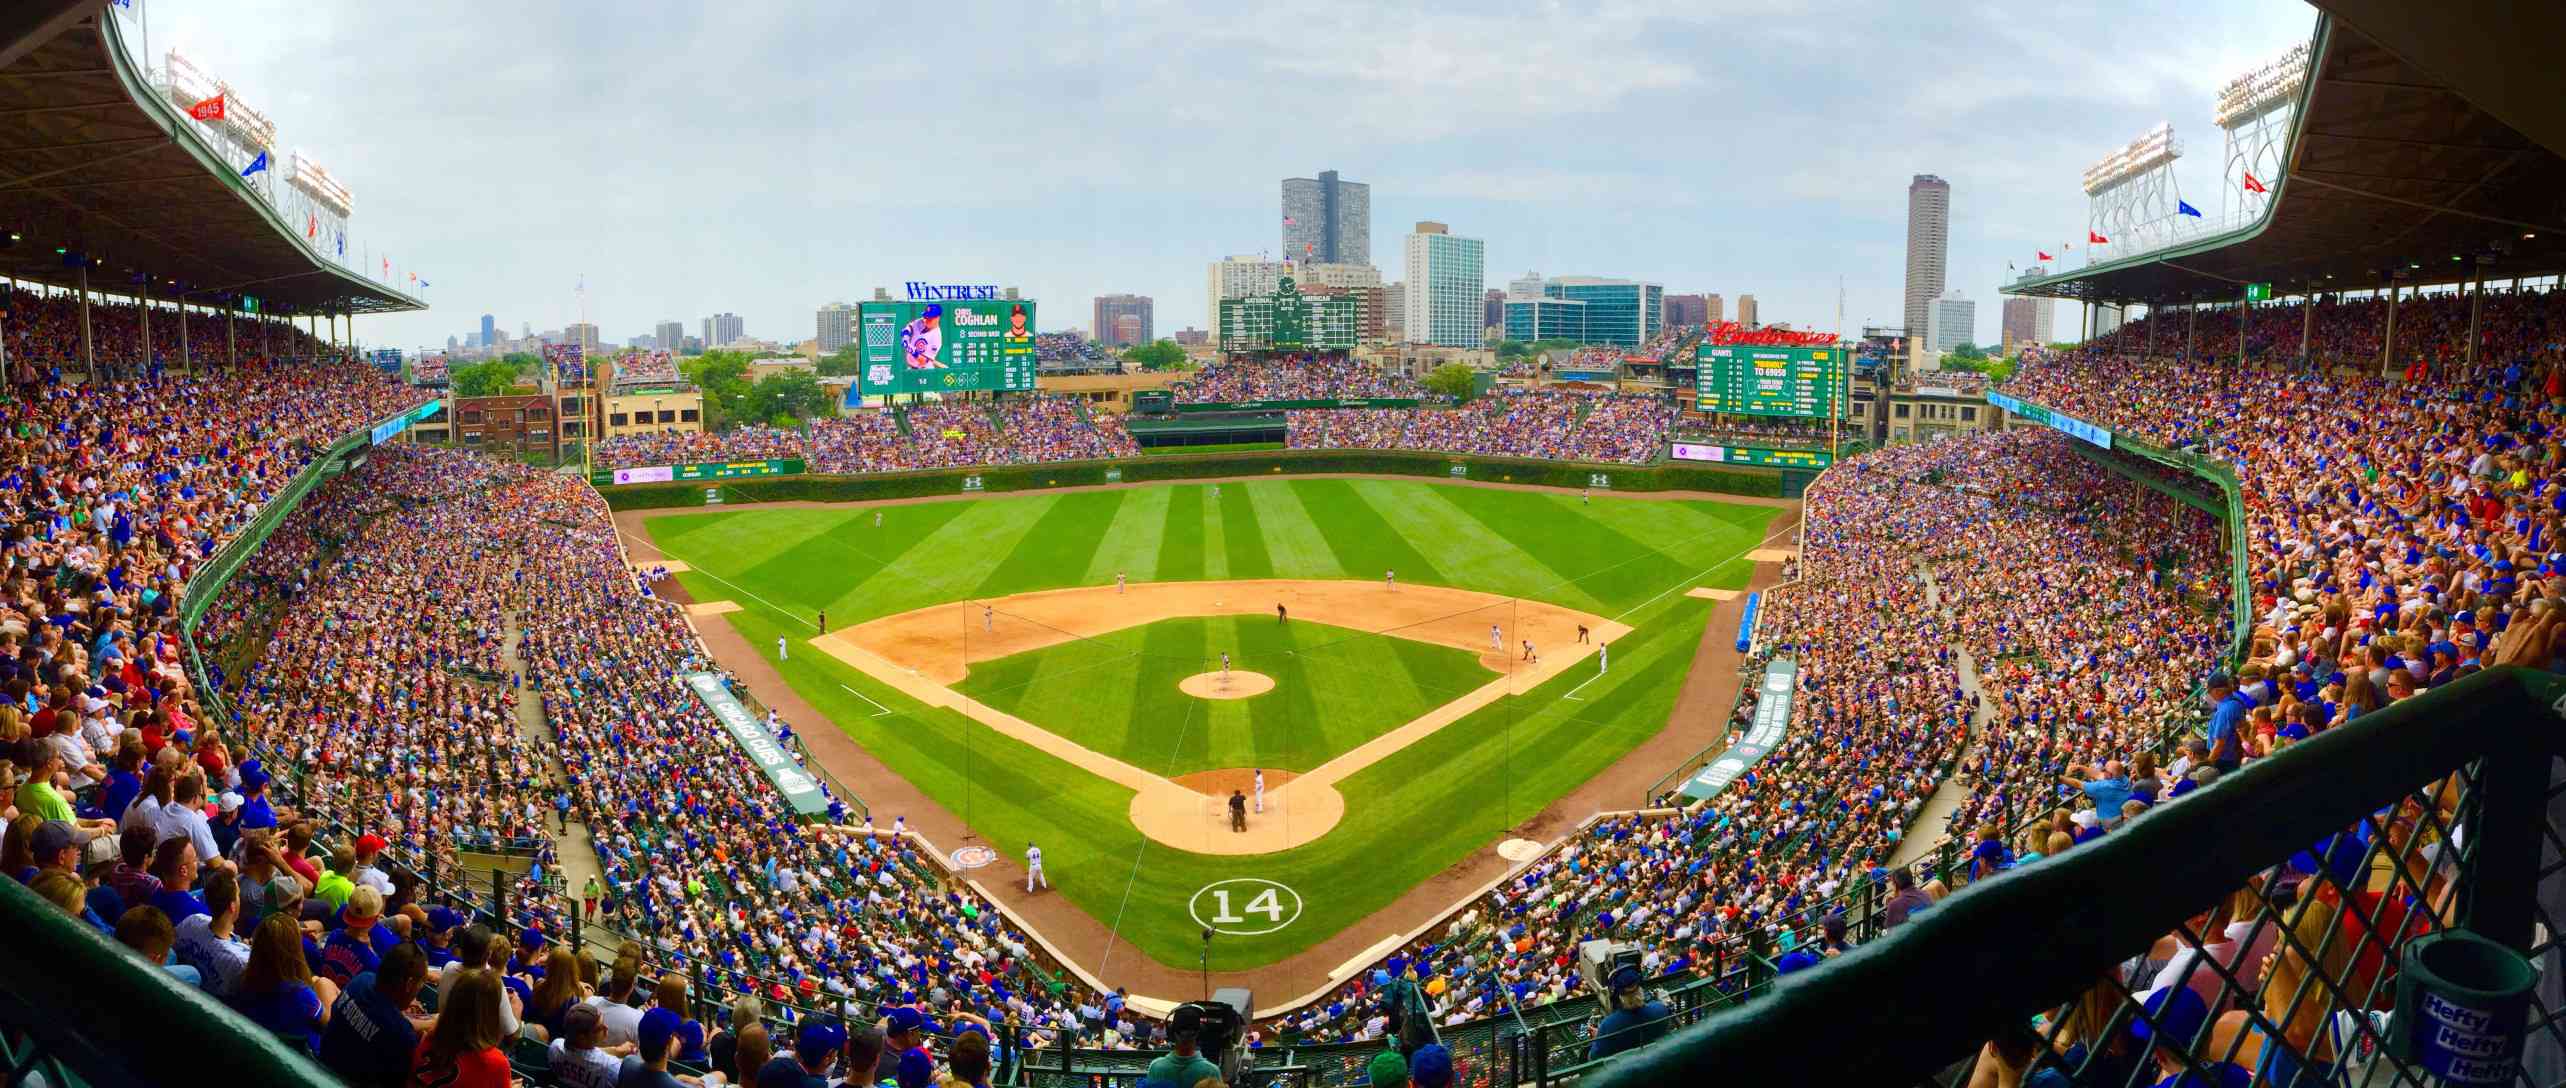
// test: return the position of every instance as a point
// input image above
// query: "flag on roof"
(2253, 186)
(2096, 239)
(210, 109)
(255, 165)
(2045, 258)
(311, 225)
(2187, 209)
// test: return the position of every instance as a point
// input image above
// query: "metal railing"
(2338, 854)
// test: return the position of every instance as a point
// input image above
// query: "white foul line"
(866, 698)
(1572, 692)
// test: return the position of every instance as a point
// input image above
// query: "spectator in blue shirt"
(2107, 785)
(2227, 746)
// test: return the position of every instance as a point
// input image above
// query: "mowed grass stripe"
(1216, 555)
(1591, 558)
(865, 550)
(1242, 537)
(1180, 540)
(1364, 544)
(1066, 533)
(1294, 545)
(1131, 542)
(1471, 551)
(948, 563)
(1694, 533)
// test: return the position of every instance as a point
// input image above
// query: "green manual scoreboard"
(1768, 381)
(946, 347)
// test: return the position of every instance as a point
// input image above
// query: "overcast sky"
(767, 158)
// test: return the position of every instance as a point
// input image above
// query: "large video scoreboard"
(1768, 381)
(946, 347)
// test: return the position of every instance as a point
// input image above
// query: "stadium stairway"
(572, 845)
(1933, 821)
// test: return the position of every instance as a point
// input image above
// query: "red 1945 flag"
(210, 109)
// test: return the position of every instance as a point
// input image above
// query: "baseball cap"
(932, 310)
(442, 919)
(1624, 977)
(370, 843)
(1431, 1067)
(1388, 1070)
(531, 938)
(658, 1029)
(253, 775)
(903, 1019)
(819, 1035)
(2178, 1014)
(53, 837)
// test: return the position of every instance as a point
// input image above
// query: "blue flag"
(256, 165)
(2187, 209)
(423, 283)
(343, 243)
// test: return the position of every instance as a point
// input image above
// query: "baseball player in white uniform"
(1496, 639)
(1033, 867)
(1260, 789)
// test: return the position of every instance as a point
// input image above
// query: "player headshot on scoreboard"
(922, 340)
(1017, 332)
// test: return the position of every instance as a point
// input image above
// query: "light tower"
(2256, 111)
(2131, 197)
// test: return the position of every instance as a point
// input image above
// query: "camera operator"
(1183, 1066)
(1636, 1019)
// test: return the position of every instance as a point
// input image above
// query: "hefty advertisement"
(654, 474)
(1695, 451)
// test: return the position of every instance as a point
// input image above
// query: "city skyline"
(1155, 175)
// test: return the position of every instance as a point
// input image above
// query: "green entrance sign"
(2258, 292)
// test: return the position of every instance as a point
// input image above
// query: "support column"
(2476, 302)
(2244, 313)
(88, 350)
(2307, 326)
(266, 327)
(185, 360)
(231, 343)
(146, 319)
(2191, 328)
(2149, 351)
(2388, 343)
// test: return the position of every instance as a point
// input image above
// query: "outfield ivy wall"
(1665, 476)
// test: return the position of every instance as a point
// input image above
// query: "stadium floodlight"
(186, 85)
(2153, 148)
(2263, 88)
(307, 177)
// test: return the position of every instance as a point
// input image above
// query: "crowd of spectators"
(747, 442)
(1607, 427)
(1068, 349)
(1315, 377)
(1756, 431)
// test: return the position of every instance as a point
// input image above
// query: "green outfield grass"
(1409, 816)
(1333, 690)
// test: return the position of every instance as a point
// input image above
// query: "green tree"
(1453, 380)
(844, 361)
(1968, 350)
(783, 398)
(1157, 355)
(490, 378)
(723, 376)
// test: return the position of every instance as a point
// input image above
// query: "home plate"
(1709, 594)
(1519, 850)
(712, 608)
(1771, 555)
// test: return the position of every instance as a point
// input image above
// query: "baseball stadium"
(2180, 706)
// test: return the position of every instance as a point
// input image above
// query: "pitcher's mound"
(1239, 684)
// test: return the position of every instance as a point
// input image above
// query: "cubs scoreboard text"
(1768, 381)
(958, 346)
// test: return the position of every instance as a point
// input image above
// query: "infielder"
(1033, 868)
(988, 618)
(1529, 655)
(1225, 666)
(1496, 639)
(1603, 658)
(1118, 583)
(1390, 580)
(779, 648)
(1260, 790)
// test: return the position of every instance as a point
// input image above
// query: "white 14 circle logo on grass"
(1244, 906)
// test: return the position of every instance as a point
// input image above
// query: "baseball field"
(982, 650)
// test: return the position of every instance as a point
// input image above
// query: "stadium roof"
(2435, 153)
(98, 164)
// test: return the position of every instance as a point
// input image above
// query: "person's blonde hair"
(468, 1019)
(62, 890)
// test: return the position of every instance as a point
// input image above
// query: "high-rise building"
(1327, 220)
(489, 330)
(1625, 313)
(1447, 274)
(837, 327)
(1950, 322)
(721, 329)
(1493, 309)
(582, 334)
(1746, 314)
(1686, 311)
(2026, 321)
(671, 335)
(1538, 318)
(1527, 285)
(1714, 308)
(1394, 317)
(1110, 309)
(1928, 244)
(1240, 277)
